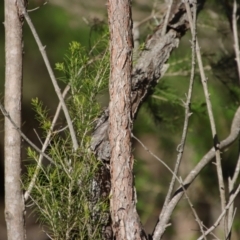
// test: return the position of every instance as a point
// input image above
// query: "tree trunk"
(150, 67)
(14, 204)
(125, 220)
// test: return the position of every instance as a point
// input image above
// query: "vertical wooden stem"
(14, 204)
(123, 210)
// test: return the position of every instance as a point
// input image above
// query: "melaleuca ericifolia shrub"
(62, 191)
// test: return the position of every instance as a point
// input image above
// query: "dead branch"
(187, 104)
(21, 134)
(235, 37)
(24, 13)
(212, 123)
(222, 214)
(208, 157)
(150, 67)
(44, 147)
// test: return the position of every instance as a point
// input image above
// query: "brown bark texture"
(14, 204)
(125, 221)
(149, 68)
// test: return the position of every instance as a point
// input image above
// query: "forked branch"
(24, 13)
(149, 68)
(208, 157)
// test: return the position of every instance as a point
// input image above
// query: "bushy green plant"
(63, 190)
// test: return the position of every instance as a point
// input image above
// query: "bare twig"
(208, 157)
(150, 67)
(231, 183)
(150, 17)
(39, 139)
(175, 177)
(6, 115)
(211, 118)
(231, 219)
(165, 23)
(156, 157)
(222, 214)
(195, 214)
(34, 9)
(50, 71)
(45, 145)
(185, 73)
(237, 169)
(187, 111)
(235, 36)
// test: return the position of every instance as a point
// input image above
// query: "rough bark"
(14, 204)
(125, 220)
(149, 68)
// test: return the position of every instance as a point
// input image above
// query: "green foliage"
(63, 192)
(42, 116)
(166, 106)
(164, 99)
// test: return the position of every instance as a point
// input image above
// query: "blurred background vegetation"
(160, 120)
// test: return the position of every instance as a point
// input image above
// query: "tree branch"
(222, 214)
(50, 71)
(17, 128)
(44, 147)
(212, 121)
(208, 157)
(181, 146)
(149, 68)
(231, 182)
(235, 37)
